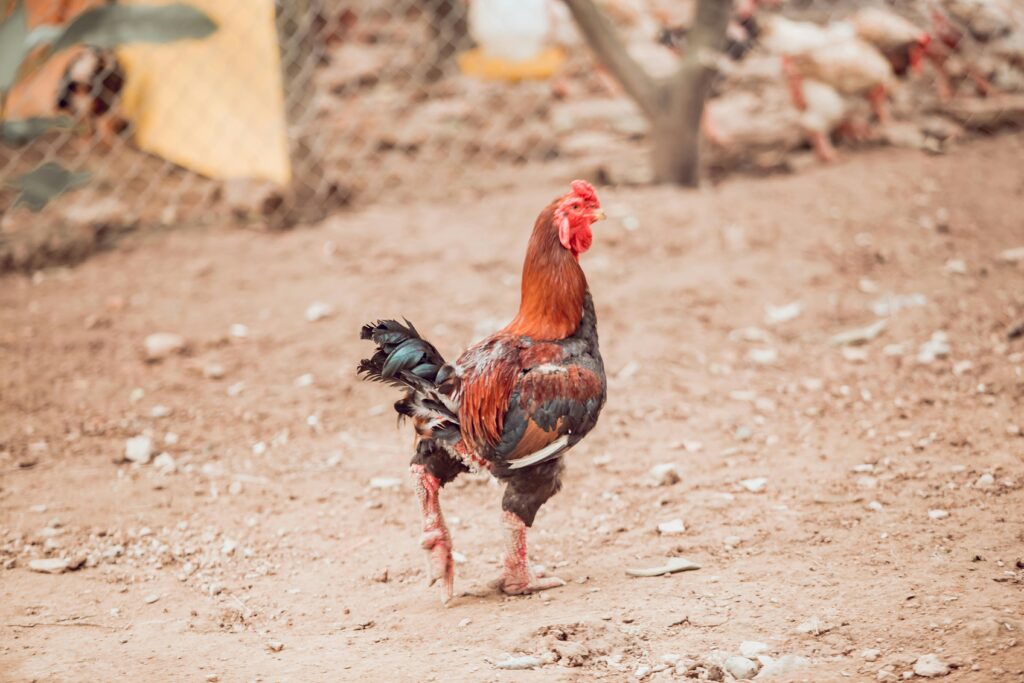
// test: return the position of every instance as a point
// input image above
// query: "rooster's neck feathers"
(553, 288)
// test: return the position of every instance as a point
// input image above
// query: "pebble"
(641, 672)
(755, 485)
(1015, 255)
(259, 448)
(875, 506)
(318, 310)
(160, 345)
(765, 356)
(933, 349)
(870, 655)
(275, 646)
(783, 666)
(464, 622)
(305, 380)
(50, 566)
(519, 663)
(732, 542)
(214, 371)
(138, 449)
(384, 482)
(672, 566)
(740, 667)
(151, 598)
(774, 315)
(753, 649)
(930, 666)
(665, 474)
(239, 331)
(813, 626)
(985, 481)
(938, 514)
(165, 463)
(672, 527)
(159, 411)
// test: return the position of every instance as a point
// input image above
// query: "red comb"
(584, 190)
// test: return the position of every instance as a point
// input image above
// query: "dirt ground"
(891, 516)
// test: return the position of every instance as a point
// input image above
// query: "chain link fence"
(292, 109)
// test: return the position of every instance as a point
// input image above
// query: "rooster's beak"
(597, 215)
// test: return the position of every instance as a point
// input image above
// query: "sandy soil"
(263, 553)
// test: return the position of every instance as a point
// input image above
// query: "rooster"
(512, 404)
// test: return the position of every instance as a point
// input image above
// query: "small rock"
(50, 566)
(275, 646)
(985, 481)
(672, 527)
(665, 474)
(165, 463)
(519, 663)
(304, 380)
(384, 483)
(733, 542)
(1015, 255)
(860, 335)
(159, 411)
(641, 672)
(259, 448)
(935, 348)
(783, 666)
(239, 331)
(775, 315)
(894, 303)
(755, 485)
(814, 627)
(930, 666)
(854, 355)
(870, 655)
(160, 345)
(151, 598)
(763, 356)
(318, 311)
(938, 514)
(214, 371)
(740, 667)
(138, 449)
(751, 649)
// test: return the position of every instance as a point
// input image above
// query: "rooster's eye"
(576, 206)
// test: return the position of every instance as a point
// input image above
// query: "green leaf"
(113, 25)
(13, 45)
(47, 182)
(23, 131)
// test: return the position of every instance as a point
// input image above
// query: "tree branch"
(604, 40)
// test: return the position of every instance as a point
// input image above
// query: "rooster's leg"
(527, 490)
(436, 540)
(516, 577)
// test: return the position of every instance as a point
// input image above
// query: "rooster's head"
(574, 214)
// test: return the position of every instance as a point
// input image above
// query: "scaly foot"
(438, 546)
(517, 579)
(518, 583)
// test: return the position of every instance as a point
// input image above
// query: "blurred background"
(277, 113)
(810, 297)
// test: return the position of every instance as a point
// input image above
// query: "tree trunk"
(676, 129)
(674, 105)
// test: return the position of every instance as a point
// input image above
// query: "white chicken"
(902, 42)
(512, 30)
(784, 36)
(832, 54)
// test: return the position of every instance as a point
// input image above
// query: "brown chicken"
(514, 403)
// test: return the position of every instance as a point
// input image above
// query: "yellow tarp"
(215, 106)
